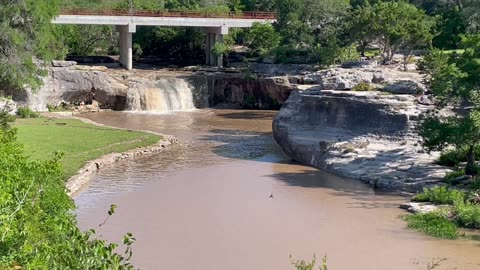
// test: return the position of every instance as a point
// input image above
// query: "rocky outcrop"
(389, 80)
(119, 89)
(421, 208)
(8, 105)
(262, 93)
(72, 85)
(369, 136)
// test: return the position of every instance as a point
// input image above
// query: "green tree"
(303, 22)
(221, 49)
(89, 39)
(38, 227)
(399, 26)
(359, 27)
(450, 26)
(26, 34)
(261, 38)
(455, 81)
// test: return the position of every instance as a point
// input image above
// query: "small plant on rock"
(363, 87)
(25, 112)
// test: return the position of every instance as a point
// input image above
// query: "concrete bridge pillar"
(126, 46)
(214, 35)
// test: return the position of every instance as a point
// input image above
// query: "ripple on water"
(204, 204)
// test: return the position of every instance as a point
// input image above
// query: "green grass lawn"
(80, 142)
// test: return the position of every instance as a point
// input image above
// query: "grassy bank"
(457, 209)
(79, 141)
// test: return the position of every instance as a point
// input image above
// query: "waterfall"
(169, 94)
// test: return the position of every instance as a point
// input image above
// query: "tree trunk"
(471, 168)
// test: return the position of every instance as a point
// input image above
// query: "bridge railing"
(169, 13)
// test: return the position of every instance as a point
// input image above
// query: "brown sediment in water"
(75, 183)
(205, 204)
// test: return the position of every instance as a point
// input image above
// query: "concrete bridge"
(126, 21)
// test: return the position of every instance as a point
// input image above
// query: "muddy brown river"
(205, 204)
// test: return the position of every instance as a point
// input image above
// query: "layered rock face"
(389, 80)
(365, 135)
(118, 89)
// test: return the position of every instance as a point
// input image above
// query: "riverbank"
(87, 146)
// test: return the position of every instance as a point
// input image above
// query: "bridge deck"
(167, 14)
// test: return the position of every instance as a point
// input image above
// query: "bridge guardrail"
(168, 13)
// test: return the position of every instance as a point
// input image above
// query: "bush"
(332, 53)
(25, 112)
(304, 265)
(452, 175)
(453, 158)
(467, 216)
(261, 38)
(433, 224)
(440, 195)
(363, 87)
(38, 228)
(290, 55)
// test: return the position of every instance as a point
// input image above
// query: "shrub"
(38, 228)
(452, 175)
(453, 158)
(304, 265)
(290, 55)
(25, 112)
(250, 102)
(363, 87)
(262, 38)
(332, 53)
(433, 224)
(440, 195)
(467, 215)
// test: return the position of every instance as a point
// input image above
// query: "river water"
(205, 204)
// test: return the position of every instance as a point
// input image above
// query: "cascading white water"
(168, 95)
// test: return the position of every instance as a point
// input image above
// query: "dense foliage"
(26, 35)
(324, 32)
(458, 209)
(38, 229)
(455, 81)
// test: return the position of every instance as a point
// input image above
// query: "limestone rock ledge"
(369, 136)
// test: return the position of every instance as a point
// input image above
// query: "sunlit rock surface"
(369, 136)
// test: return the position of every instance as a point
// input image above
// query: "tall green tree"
(89, 39)
(261, 38)
(455, 81)
(304, 22)
(397, 26)
(26, 34)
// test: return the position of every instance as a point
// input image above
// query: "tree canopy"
(455, 81)
(26, 35)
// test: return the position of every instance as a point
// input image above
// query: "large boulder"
(72, 85)
(8, 105)
(368, 136)
(390, 80)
